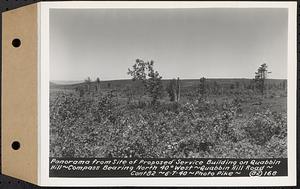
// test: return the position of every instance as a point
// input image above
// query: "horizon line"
(169, 79)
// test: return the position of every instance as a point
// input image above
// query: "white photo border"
(43, 92)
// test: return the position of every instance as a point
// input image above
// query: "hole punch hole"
(16, 43)
(16, 145)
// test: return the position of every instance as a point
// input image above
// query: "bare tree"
(98, 84)
(88, 83)
(173, 89)
(177, 90)
(202, 89)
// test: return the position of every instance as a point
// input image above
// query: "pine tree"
(260, 77)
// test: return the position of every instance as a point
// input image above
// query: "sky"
(185, 43)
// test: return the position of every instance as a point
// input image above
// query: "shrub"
(260, 128)
(102, 126)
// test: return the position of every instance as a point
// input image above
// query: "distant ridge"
(123, 83)
(61, 82)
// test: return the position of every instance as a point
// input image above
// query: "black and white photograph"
(150, 94)
(143, 92)
(171, 83)
(167, 90)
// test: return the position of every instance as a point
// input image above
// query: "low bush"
(101, 126)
